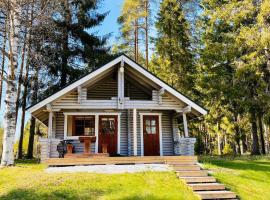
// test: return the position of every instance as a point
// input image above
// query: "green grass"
(248, 176)
(29, 181)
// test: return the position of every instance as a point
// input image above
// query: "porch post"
(65, 126)
(50, 124)
(135, 132)
(120, 77)
(96, 132)
(185, 125)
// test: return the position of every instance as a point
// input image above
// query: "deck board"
(120, 160)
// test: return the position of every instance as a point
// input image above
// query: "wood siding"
(134, 92)
(126, 133)
(105, 90)
(59, 131)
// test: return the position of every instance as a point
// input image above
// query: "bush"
(227, 150)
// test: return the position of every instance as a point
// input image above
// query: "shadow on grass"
(238, 164)
(30, 194)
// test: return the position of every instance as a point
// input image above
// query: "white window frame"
(96, 114)
(160, 131)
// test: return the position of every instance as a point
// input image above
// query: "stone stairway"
(202, 184)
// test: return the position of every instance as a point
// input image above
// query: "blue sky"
(110, 25)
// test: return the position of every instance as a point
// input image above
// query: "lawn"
(28, 181)
(248, 176)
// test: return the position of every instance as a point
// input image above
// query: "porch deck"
(185, 160)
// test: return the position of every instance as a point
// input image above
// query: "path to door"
(110, 169)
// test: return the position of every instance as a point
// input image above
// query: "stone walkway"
(110, 169)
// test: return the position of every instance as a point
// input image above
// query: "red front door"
(151, 135)
(108, 134)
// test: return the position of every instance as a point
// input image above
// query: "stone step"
(207, 186)
(216, 194)
(205, 179)
(199, 173)
(186, 167)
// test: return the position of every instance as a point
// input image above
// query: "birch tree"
(12, 11)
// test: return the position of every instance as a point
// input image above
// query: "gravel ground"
(110, 169)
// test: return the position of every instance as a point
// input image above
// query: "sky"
(109, 26)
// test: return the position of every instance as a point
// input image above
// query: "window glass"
(108, 125)
(84, 125)
(148, 130)
(153, 129)
(150, 125)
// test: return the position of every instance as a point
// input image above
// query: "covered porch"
(129, 132)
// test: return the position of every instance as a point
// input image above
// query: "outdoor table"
(87, 140)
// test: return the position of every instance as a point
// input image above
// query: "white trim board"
(160, 131)
(96, 114)
(74, 85)
(135, 66)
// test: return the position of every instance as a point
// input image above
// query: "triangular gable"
(102, 69)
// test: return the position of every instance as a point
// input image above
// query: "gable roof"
(112, 63)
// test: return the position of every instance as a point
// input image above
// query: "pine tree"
(134, 29)
(69, 48)
(232, 63)
(173, 48)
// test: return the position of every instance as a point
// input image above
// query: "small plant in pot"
(69, 147)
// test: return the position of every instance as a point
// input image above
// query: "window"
(150, 125)
(83, 125)
(108, 125)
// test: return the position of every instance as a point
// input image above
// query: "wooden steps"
(204, 179)
(198, 173)
(186, 167)
(206, 186)
(216, 194)
(203, 185)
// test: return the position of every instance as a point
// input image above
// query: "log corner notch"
(184, 111)
(79, 90)
(120, 81)
(50, 120)
(161, 93)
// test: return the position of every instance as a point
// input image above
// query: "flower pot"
(104, 148)
(69, 148)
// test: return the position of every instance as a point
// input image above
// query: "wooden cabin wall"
(126, 132)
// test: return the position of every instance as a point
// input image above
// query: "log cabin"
(119, 109)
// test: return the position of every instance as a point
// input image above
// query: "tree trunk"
(20, 79)
(255, 150)
(219, 144)
(31, 138)
(146, 32)
(65, 50)
(135, 42)
(3, 61)
(237, 133)
(261, 134)
(25, 84)
(24, 81)
(33, 120)
(266, 131)
(9, 121)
